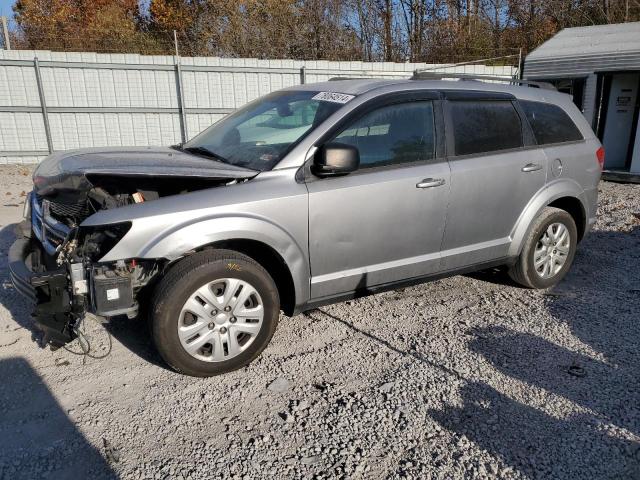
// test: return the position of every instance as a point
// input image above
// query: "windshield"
(261, 133)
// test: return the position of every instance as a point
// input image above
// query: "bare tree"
(390, 30)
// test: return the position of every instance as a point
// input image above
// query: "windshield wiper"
(206, 152)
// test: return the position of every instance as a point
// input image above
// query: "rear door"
(495, 171)
(384, 222)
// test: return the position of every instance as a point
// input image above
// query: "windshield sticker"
(333, 97)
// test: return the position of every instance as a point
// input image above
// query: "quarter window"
(550, 124)
(393, 134)
(485, 126)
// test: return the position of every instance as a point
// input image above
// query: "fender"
(271, 209)
(558, 188)
(178, 239)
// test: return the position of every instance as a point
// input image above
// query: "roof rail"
(428, 75)
(338, 79)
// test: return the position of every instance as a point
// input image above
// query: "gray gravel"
(467, 377)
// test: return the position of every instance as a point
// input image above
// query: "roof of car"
(363, 85)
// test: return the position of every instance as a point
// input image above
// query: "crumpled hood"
(71, 170)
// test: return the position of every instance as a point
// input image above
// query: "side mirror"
(334, 159)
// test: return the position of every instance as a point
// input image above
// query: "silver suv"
(308, 196)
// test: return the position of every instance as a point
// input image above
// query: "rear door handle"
(430, 182)
(531, 167)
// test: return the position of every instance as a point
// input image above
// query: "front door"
(384, 222)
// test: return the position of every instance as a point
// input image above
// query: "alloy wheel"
(552, 250)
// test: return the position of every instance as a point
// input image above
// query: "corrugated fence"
(51, 101)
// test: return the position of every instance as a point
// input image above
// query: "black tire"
(181, 281)
(523, 271)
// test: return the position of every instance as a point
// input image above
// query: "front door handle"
(531, 167)
(430, 182)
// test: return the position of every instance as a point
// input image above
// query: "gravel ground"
(467, 377)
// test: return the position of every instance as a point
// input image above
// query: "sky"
(5, 9)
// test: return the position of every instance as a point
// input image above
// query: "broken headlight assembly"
(95, 242)
(110, 285)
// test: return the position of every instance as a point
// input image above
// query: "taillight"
(600, 157)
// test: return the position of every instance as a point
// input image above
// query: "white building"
(600, 67)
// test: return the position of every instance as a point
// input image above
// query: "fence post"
(520, 64)
(175, 42)
(181, 109)
(43, 105)
(179, 90)
(5, 33)
(303, 75)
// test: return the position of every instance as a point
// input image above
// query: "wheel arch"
(574, 207)
(257, 237)
(272, 262)
(565, 194)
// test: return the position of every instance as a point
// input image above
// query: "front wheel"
(214, 312)
(548, 250)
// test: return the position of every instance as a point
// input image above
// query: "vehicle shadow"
(581, 379)
(135, 336)
(534, 443)
(598, 302)
(37, 438)
(527, 439)
(496, 275)
(598, 299)
(598, 243)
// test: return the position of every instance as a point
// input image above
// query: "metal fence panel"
(93, 100)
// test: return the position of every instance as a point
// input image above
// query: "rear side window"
(485, 126)
(550, 124)
(393, 134)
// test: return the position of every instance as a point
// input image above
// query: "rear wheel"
(214, 312)
(548, 250)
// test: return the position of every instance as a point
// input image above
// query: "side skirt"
(384, 287)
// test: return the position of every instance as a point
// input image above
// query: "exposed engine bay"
(111, 191)
(61, 257)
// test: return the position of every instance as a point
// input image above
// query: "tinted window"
(393, 134)
(550, 124)
(485, 126)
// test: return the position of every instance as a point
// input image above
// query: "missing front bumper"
(63, 294)
(48, 289)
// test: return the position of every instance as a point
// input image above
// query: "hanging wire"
(85, 344)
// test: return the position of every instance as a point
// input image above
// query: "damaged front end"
(56, 261)
(59, 270)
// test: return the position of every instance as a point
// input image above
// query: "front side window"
(550, 124)
(393, 134)
(484, 126)
(260, 134)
